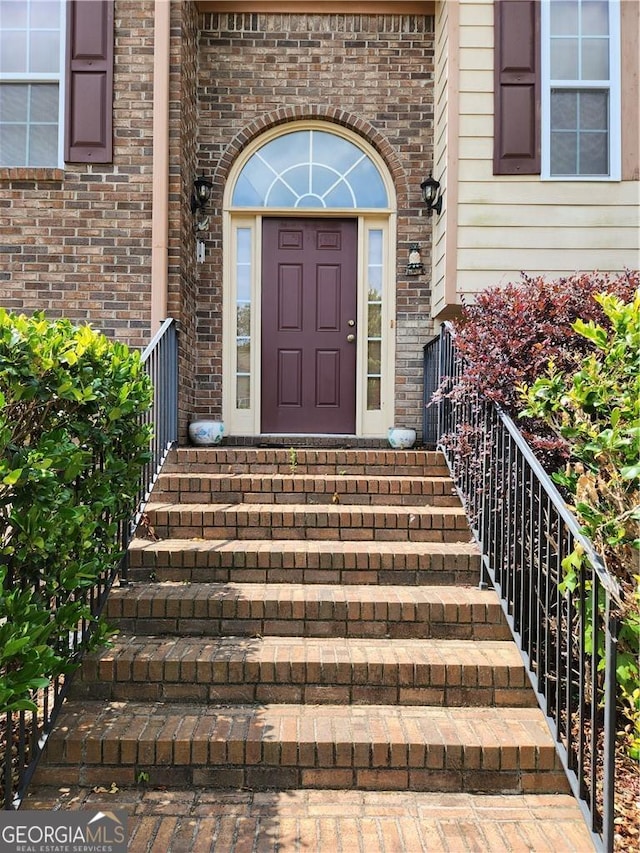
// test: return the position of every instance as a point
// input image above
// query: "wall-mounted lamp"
(200, 196)
(431, 195)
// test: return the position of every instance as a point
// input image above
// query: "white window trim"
(51, 77)
(613, 86)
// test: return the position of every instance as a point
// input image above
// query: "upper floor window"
(581, 89)
(310, 169)
(31, 96)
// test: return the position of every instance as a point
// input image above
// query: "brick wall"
(372, 73)
(77, 241)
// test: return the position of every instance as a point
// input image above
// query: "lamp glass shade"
(429, 189)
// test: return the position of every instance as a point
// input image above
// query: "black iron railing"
(23, 734)
(567, 638)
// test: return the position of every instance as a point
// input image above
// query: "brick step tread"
(299, 521)
(305, 488)
(305, 746)
(312, 736)
(329, 821)
(309, 561)
(307, 610)
(290, 669)
(319, 461)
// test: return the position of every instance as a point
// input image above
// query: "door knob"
(351, 338)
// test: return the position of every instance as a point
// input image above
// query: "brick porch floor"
(306, 821)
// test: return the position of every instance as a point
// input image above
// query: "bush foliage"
(509, 335)
(72, 444)
(595, 409)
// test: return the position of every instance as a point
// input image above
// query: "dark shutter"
(516, 143)
(89, 82)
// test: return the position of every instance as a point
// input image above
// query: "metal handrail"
(27, 732)
(524, 531)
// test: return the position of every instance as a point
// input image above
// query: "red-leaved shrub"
(510, 333)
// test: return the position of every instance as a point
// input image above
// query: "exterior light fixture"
(431, 195)
(200, 196)
(415, 265)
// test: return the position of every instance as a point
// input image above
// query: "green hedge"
(72, 445)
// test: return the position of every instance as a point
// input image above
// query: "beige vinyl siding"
(508, 224)
(441, 106)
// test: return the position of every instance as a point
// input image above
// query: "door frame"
(246, 421)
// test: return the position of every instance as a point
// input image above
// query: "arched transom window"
(310, 169)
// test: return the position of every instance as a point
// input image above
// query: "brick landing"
(204, 821)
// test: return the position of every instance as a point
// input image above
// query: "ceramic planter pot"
(401, 439)
(206, 433)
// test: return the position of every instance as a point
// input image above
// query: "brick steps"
(307, 610)
(336, 462)
(301, 521)
(310, 746)
(310, 562)
(308, 645)
(334, 670)
(307, 488)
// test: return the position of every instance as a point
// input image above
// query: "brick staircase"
(305, 620)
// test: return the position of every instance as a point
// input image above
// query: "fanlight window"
(310, 169)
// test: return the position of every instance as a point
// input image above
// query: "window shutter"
(516, 143)
(89, 81)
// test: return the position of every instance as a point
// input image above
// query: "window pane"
(243, 391)
(373, 360)
(594, 155)
(310, 168)
(564, 59)
(367, 184)
(13, 51)
(244, 318)
(43, 145)
(375, 247)
(595, 59)
(45, 51)
(594, 108)
(13, 145)
(564, 110)
(45, 14)
(373, 394)
(595, 18)
(13, 13)
(44, 102)
(564, 153)
(244, 356)
(375, 321)
(564, 18)
(13, 102)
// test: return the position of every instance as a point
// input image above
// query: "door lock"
(351, 323)
(351, 338)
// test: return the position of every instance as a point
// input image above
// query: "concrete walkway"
(203, 821)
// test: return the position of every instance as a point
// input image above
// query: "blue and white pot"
(206, 433)
(401, 439)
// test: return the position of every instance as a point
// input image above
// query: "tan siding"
(441, 105)
(513, 223)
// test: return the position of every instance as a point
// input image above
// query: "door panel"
(309, 293)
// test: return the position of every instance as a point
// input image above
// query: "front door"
(309, 302)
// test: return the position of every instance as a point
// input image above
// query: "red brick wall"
(372, 73)
(77, 242)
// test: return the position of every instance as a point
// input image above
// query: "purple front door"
(309, 300)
